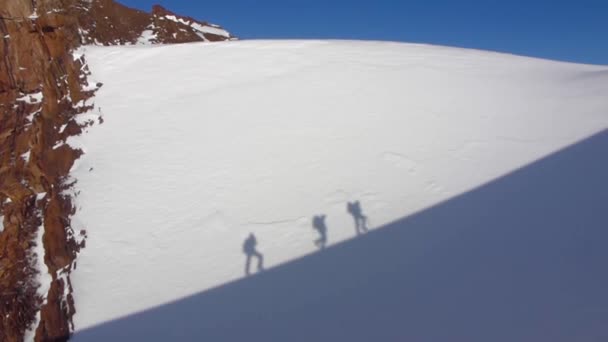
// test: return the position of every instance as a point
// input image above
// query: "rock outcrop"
(106, 22)
(44, 93)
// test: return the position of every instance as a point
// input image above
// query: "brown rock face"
(110, 23)
(169, 27)
(40, 86)
(43, 88)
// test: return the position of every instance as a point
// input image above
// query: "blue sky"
(570, 30)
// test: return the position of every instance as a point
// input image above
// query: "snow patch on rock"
(201, 30)
(43, 279)
(148, 36)
(34, 98)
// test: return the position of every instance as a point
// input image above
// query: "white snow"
(147, 37)
(63, 127)
(30, 117)
(44, 279)
(62, 275)
(1, 223)
(177, 20)
(77, 54)
(26, 156)
(260, 136)
(210, 29)
(31, 98)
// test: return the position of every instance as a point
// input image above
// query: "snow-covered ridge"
(110, 23)
(264, 135)
(152, 33)
(202, 29)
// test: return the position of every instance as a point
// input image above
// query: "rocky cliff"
(46, 97)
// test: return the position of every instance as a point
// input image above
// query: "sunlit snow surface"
(203, 144)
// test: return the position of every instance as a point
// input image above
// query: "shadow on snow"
(522, 258)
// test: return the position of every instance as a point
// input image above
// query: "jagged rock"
(109, 23)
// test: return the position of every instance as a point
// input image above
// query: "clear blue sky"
(570, 30)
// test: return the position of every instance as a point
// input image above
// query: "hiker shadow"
(318, 223)
(531, 243)
(249, 248)
(354, 209)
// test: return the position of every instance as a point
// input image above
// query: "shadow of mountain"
(523, 258)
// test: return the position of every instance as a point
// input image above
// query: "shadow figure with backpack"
(249, 248)
(354, 209)
(318, 223)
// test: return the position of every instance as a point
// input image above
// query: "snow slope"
(203, 144)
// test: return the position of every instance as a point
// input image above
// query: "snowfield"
(203, 144)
